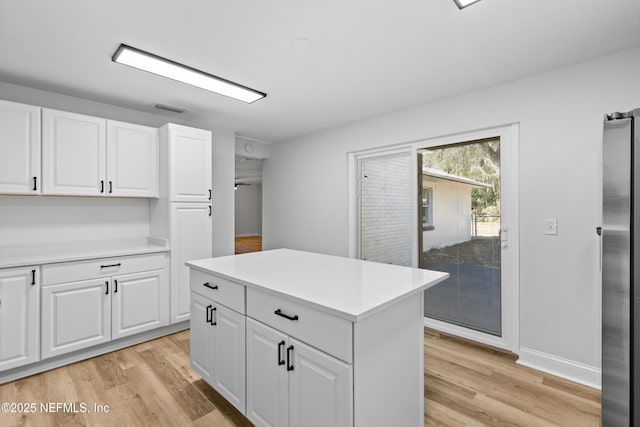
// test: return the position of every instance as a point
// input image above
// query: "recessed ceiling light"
(155, 64)
(464, 3)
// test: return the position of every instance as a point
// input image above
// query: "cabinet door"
(202, 338)
(320, 388)
(190, 240)
(140, 302)
(75, 316)
(73, 154)
(19, 148)
(229, 355)
(19, 317)
(267, 377)
(190, 164)
(132, 160)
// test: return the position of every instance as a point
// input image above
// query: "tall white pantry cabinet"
(183, 212)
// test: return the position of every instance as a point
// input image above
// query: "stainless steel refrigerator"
(621, 269)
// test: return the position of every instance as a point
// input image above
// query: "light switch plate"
(551, 226)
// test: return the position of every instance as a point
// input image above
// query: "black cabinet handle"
(289, 365)
(207, 285)
(209, 194)
(212, 322)
(35, 180)
(209, 210)
(209, 313)
(111, 265)
(110, 187)
(107, 284)
(33, 277)
(115, 286)
(102, 186)
(280, 357)
(279, 312)
(598, 229)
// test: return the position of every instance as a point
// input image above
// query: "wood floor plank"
(152, 384)
(248, 244)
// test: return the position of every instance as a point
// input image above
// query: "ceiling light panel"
(146, 61)
(464, 3)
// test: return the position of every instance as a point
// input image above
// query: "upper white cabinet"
(91, 156)
(189, 163)
(19, 148)
(132, 160)
(74, 153)
(19, 316)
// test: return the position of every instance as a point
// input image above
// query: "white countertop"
(48, 253)
(346, 287)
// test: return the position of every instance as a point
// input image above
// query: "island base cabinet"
(292, 384)
(75, 316)
(218, 348)
(19, 315)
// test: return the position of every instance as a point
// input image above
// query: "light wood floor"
(248, 244)
(151, 384)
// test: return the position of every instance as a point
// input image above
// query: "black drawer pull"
(209, 313)
(33, 277)
(280, 357)
(209, 194)
(210, 211)
(115, 286)
(289, 365)
(107, 284)
(279, 312)
(212, 322)
(207, 285)
(111, 265)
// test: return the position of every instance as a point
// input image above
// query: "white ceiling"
(367, 57)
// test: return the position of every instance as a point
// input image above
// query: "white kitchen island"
(294, 338)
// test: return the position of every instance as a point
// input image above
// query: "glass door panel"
(460, 221)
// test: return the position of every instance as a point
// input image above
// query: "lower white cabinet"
(77, 314)
(218, 347)
(139, 303)
(19, 316)
(292, 384)
(191, 238)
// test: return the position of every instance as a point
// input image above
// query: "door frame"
(510, 302)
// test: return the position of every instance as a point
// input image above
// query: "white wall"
(248, 213)
(560, 115)
(451, 214)
(34, 220)
(385, 209)
(117, 217)
(223, 172)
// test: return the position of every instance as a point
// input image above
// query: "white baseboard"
(560, 367)
(248, 235)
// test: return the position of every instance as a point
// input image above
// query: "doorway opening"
(248, 205)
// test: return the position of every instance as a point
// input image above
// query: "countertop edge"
(153, 246)
(344, 315)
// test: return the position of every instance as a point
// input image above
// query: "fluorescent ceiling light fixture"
(155, 64)
(464, 3)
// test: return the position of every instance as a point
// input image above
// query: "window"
(427, 208)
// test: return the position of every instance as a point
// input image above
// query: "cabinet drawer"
(220, 290)
(65, 272)
(321, 330)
